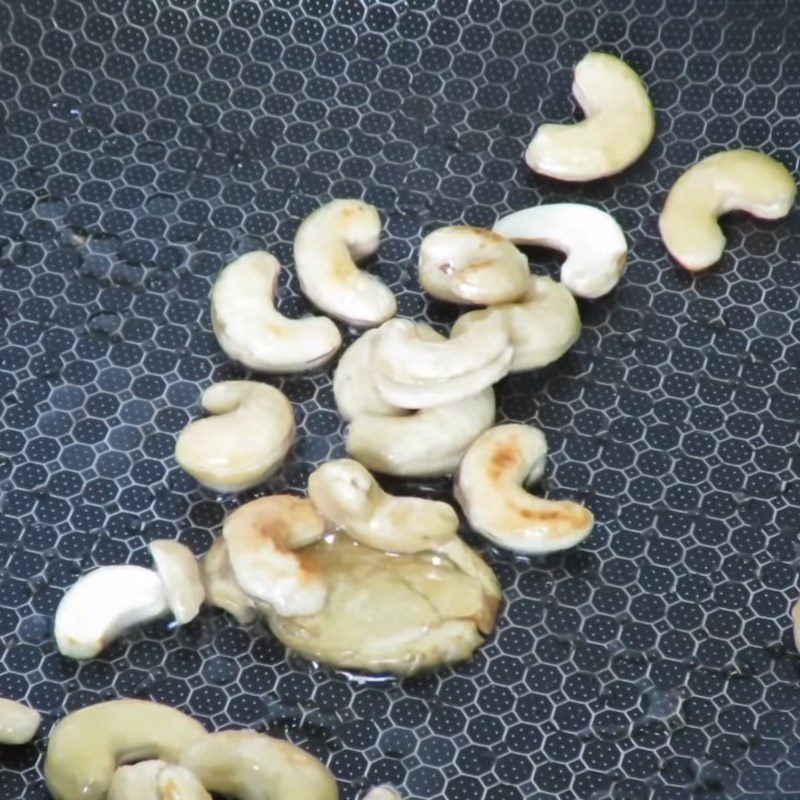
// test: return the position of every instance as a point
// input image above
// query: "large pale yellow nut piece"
(87, 746)
(472, 266)
(250, 329)
(222, 591)
(155, 780)
(618, 126)
(252, 766)
(327, 246)
(250, 430)
(180, 573)
(490, 487)
(18, 722)
(735, 180)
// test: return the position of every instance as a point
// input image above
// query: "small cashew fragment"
(249, 328)
(252, 766)
(489, 487)
(262, 536)
(222, 590)
(18, 722)
(326, 247)
(241, 445)
(618, 127)
(472, 266)
(542, 325)
(88, 745)
(591, 239)
(735, 180)
(155, 780)
(176, 565)
(426, 444)
(796, 623)
(103, 604)
(411, 371)
(382, 793)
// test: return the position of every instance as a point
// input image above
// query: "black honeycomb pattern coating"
(143, 144)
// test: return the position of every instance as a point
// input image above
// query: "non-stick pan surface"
(143, 144)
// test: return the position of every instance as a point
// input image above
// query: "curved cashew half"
(411, 371)
(489, 487)
(155, 780)
(736, 180)
(252, 766)
(326, 247)
(426, 444)
(18, 722)
(261, 536)
(542, 325)
(472, 266)
(619, 124)
(250, 329)
(86, 746)
(222, 590)
(176, 565)
(104, 603)
(591, 239)
(249, 433)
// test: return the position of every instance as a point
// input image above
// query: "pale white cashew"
(382, 793)
(327, 245)
(618, 127)
(426, 444)
(796, 624)
(103, 604)
(249, 328)
(541, 326)
(735, 180)
(178, 569)
(252, 766)
(489, 486)
(262, 537)
(591, 239)
(222, 590)
(88, 745)
(250, 432)
(18, 722)
(472, 266)
(411, 371)
(155, 780)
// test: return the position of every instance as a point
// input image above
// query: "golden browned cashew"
(541, 326)
(178, 569)
(472, 266)
(736, 180)
(87, 746)
(155, 780)
(248, 435)
(250, 329)
(252, 766)
(619, 124)
(222, 590)
(326, 247)
(489, 486)
(262, 537)
(18, 722)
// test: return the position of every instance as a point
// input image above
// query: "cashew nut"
(426, 444)
(326, 247)
(619, 124)
(472, 266)
(262, 536)
(241, 445)
(155, 780)
(250, 329)
(796, 623)
(411, 371)
(18, 722)
(591, 239)
(736, 180)
(382, 793)
(222, 590)
(87, 746)
(104, 603)
(541, 326)
(176, 565)
(489, 486)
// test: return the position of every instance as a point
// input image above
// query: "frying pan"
(144, 144)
